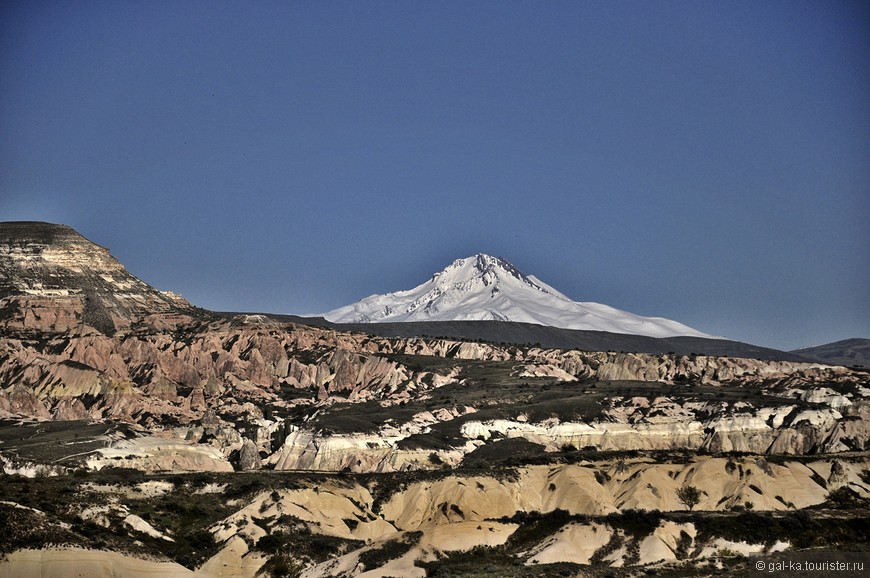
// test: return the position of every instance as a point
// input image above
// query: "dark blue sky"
(703, 161)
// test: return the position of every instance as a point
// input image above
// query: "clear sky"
(708, 162)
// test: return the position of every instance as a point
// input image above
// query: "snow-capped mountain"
(490, 288)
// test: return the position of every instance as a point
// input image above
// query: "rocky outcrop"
(160, 454)
(699, 369)
(161, 375)
(249, 457)
(20, 400)
(603, 436)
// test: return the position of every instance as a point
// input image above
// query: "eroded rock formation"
(83, 339)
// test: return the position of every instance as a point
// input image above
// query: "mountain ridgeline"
(52, 279)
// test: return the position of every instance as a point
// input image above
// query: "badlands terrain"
(144, 436)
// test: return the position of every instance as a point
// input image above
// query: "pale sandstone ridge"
(454, 512)
(233, 561)
(460, 512)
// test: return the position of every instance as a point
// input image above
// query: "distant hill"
(848, 352)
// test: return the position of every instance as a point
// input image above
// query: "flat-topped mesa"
(52, 279)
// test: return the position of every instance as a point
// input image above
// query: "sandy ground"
(78, 563)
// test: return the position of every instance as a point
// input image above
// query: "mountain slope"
(485, 288)
(845, 352)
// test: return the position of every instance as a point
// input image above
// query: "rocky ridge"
(83, 339)
(848, 352)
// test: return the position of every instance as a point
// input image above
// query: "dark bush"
(635, 522)
(271, 543)
(390, 550)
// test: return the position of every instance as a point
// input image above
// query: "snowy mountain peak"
(490, 270)
(482, 287)
(483, 263)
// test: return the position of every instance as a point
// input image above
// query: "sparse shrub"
(799, 522)
(200, 479)
(615, 542)
(634, 522)
(282, 566)
(689, 496)
(843, 497)
(199, 540)
(271, 543)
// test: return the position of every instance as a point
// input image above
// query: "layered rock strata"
(54, 280)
